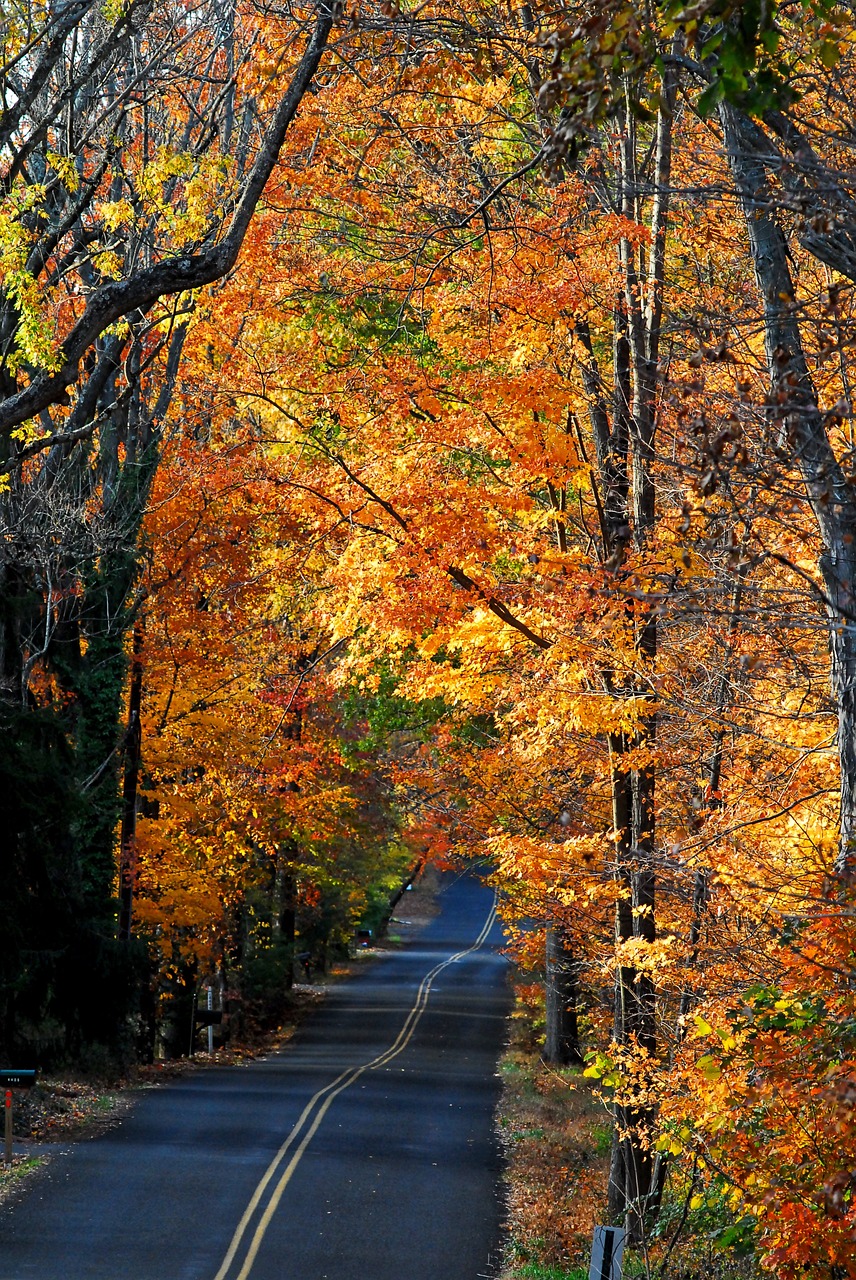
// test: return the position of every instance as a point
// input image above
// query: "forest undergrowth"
(555, 1136)
(555, 1131)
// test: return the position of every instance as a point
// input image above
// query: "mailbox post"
(209, 1018)
(13, 1079)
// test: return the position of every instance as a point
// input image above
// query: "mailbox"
(209, 1017)
(14, 1078)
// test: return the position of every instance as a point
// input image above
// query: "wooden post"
(8, 1126)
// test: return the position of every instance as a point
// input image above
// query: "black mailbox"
(209, 1017)
(12, 1078)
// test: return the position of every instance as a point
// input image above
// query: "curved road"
(363, 1151)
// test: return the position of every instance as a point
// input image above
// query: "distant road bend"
(363, 1151)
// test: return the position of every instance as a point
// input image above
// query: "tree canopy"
(429, 432)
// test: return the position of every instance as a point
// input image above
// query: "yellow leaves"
(165, 166)
(727, 1039)
(113, 9)
(183, 192)
(519, 358)
(66, 169)
(600, 714)
(477, 101)
(645, 957)
(560, 866)
(689, 564)
(116, 214)
(674, 1141)
(108, 263)
(35, 343)
(603, 1067)
(709, 1068)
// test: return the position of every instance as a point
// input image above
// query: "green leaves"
(605, 61)
(740, 44)
(739, 1237)
(35, 344)
(769, 1009)
(602, 1067)
(377, 708)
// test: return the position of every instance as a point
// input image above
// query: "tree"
(121, 188)
(582, 545)
(264, 829)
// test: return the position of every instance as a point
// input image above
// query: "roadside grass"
(12, 1176)
(551, 1273)
(556, 1145)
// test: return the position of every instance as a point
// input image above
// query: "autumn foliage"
(501, 507)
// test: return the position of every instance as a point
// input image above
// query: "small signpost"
(606, 1253)
(13, 1078)
(208, 1017)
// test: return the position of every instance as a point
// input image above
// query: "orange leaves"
(421, 468)
(238, 758)
(649, 958)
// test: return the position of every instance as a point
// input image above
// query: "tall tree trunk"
(800, 423)
(621, 1178)
(639, 341)
(562, 1042)
(130, 785)
(623, 427)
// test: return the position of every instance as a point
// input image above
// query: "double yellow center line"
(315, 1111)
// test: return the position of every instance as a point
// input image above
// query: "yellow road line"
(343, 1081)
(268, 1174)
(404, 1036)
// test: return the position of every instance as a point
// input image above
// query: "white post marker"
(606, 1253)
(210, 1025)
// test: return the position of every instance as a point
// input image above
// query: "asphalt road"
(363, 1151)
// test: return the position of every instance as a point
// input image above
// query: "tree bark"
(130, 784)
(119, 298)
(620, 1180)
(562, 1043)
(794, 412)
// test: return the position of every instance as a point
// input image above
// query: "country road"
(363, 1151)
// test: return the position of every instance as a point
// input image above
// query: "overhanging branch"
(174, 275)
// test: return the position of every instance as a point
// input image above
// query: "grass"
(22, 1166)
(601, 1135)
(12, 1176)
(535, 1272)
